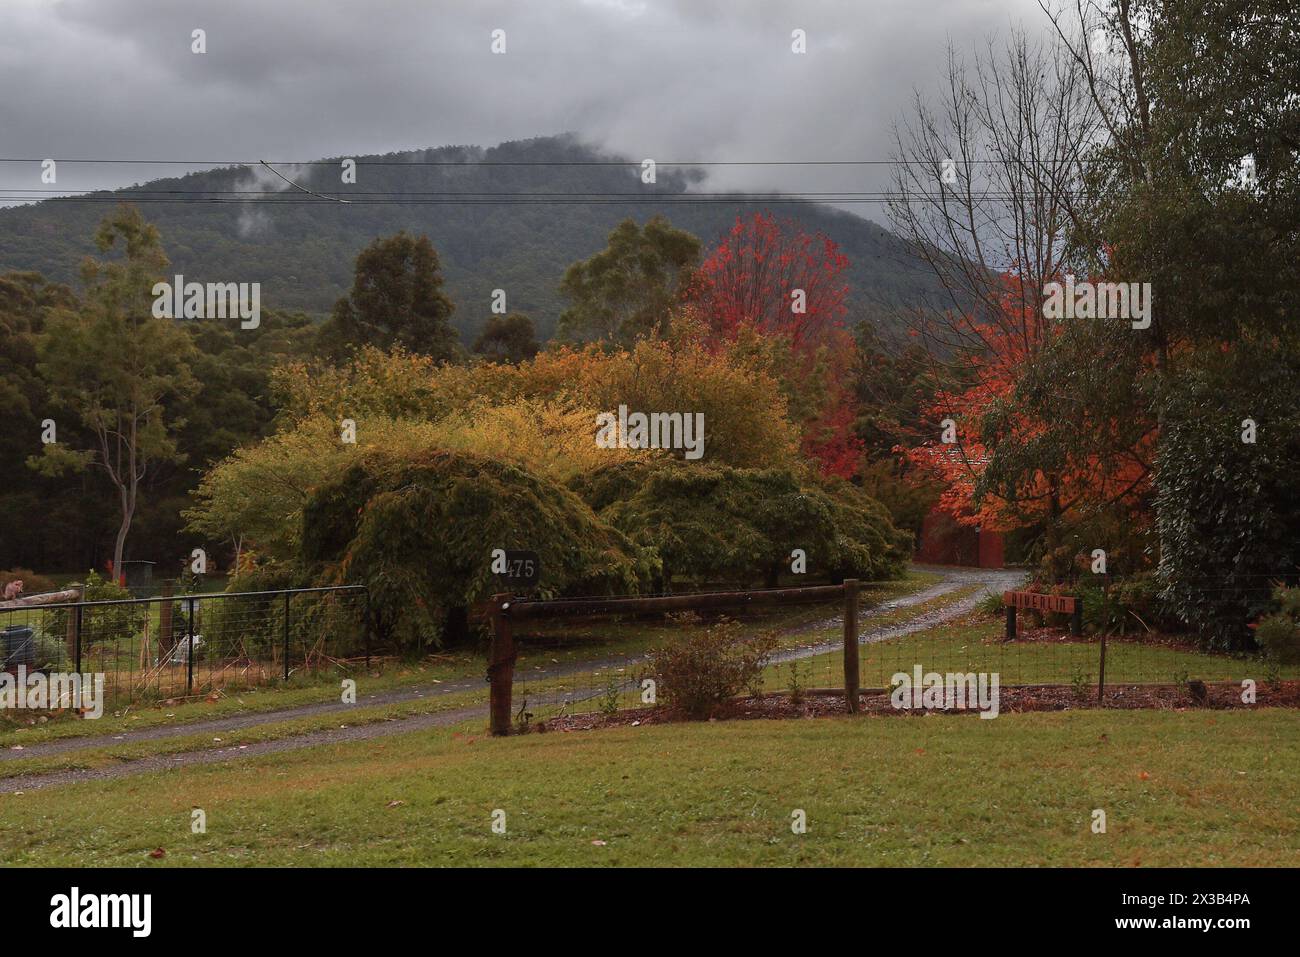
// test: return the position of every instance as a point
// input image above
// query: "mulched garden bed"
(1217, 697)
(1054, 636)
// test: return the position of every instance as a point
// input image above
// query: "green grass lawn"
(387, 676)
(102, 752)
(1178, 788)
(561, 645)
(975, 645)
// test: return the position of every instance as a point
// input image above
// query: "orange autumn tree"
(771, 288)
(1033, 444)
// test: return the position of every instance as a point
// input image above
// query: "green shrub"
(795, 689)
(1288, 600)
(864, 542)
(1227, 514)
(1278, 634)
(609, 701)
(700, 671)
(990, 604)
(1279, 638)
(1133, 604)
(419, 530)
(712, 522)
(113, 623)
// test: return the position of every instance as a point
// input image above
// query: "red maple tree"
(772, 278)
(1008, 338)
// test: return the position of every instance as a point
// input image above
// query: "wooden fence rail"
(506, 609)
(49, 598)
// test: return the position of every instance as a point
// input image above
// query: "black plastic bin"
(18, 645)
(139, 578)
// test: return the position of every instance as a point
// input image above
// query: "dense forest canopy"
(302, 252)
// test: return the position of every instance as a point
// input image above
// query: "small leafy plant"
(990, 604)
(1278, 634)
(700, 671)
(796, 686)
(609, 700)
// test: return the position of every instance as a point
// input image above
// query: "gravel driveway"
(954, 579)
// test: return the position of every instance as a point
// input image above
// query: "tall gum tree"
(114, 366)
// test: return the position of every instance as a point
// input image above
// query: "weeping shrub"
(420, 529)
(710, 522)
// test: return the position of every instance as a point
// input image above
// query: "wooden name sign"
(1038, 602)
(1033, 601)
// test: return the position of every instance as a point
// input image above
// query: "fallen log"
(49, 598)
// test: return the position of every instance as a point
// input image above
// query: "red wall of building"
(945, 542)
(991, 550)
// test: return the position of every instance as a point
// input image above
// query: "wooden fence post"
(851, 644)
(367, 626)
(501, 666)
(286, 636)
(1105, 626)
(74, 627)
(166, 639)
(189, 658)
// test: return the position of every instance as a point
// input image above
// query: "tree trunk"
(120, 545)
(127, 490)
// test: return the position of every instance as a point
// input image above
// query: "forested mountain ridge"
(302, 249)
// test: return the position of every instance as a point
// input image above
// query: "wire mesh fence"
(176, 646)
(539, 666)
(600, 661)
(1051, 657)
(584, 656)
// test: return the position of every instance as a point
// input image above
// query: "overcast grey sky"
(301, 79)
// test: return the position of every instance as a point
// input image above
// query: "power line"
(435, 192)
(366, 162)
(133, 191)
(685, 200)
(302, 189)
(264, 197)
